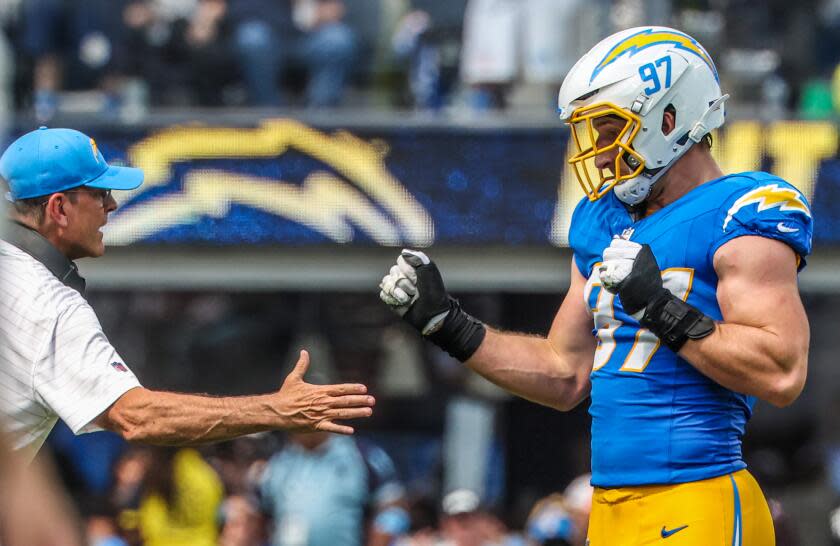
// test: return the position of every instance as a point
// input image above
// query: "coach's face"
(86, 211)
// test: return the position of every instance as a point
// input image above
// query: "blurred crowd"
(123, 57)
(302, 490)
(314, 489)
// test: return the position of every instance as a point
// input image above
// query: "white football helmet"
(633, 76)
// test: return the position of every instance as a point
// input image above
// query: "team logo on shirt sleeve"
(767, 197)
(119, 366)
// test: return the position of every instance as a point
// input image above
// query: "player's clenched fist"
(305, 407)
(630, 270)
(414, 289)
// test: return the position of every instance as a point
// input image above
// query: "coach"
(55, 361)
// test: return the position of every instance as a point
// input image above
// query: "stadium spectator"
(129, 472)
(319, 488)
(428, 40)
(464, 522)
(211, 62)
(270, 35)
(100, 522)
(74, 44)
(242, 522)
(180, 502)
(240, 462)
(535, 41)
(562, 520)
(156, 54)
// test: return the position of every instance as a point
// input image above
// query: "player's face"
(602, 143)
(608, 129)
(87, 210)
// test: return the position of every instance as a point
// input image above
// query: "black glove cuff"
(461, 334)
(674, 321)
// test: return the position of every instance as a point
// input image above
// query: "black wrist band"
(461, 334)
(674, 321)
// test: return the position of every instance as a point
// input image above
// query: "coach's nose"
(110, 203)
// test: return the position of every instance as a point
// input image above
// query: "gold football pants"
(729, 510)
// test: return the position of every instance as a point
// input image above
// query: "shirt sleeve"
(80, 374)
(773, 209)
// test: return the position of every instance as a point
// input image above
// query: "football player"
(688, 279)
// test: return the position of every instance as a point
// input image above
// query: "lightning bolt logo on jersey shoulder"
(766, 197)
(651, 37)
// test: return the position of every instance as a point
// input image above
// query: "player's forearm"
(754, 361)
(529, 367)
(167, 418)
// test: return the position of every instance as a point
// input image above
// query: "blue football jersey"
(655, 418)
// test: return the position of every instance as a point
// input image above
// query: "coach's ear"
(54, 210)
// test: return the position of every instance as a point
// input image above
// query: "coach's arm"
(761, 347)
(168, 418)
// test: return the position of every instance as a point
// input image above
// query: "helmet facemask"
(589, 145)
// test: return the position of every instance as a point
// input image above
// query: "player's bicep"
(757, 286)
(571, 331)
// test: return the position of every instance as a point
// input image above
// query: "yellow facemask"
(585, 140)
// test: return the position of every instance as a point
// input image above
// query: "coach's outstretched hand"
(414, 289)
(308, 408)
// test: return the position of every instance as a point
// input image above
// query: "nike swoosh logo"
(784, 229)
(666, 533)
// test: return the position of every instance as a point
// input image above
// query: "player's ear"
(54, 209)
(669, 119)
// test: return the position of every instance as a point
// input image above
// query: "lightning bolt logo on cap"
(767, 197)
(651, 37)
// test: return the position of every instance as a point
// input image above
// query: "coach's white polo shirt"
(55, 361)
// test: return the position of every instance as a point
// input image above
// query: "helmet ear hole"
(669, 119)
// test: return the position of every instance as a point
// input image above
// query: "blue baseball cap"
(47, 161)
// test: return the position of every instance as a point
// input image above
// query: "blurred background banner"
(286, 182)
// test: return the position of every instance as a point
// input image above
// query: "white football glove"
(618, 262)
(399, 289)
